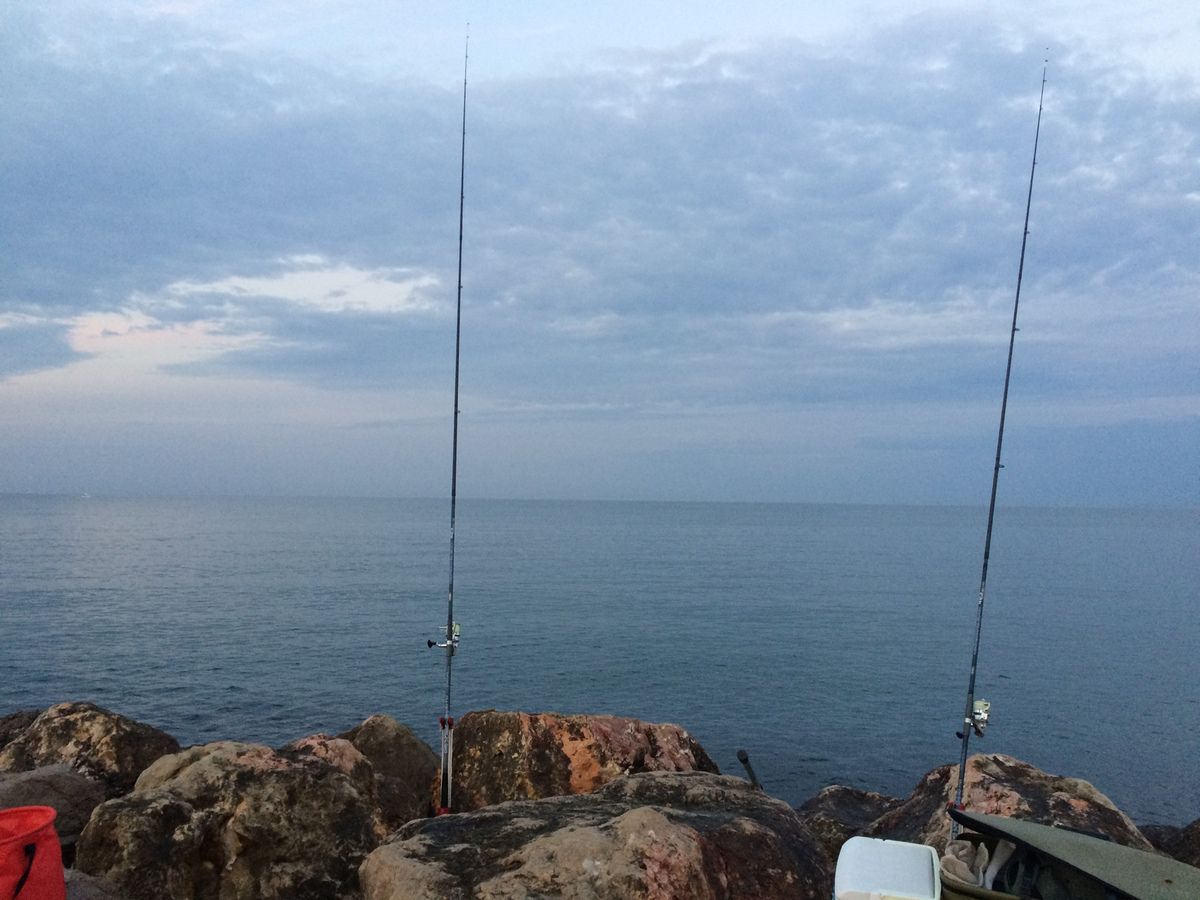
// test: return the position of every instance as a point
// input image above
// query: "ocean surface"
(831, 642)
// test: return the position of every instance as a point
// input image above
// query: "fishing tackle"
(451, 629)
(975, 714)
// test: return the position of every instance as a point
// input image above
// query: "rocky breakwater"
(549, 805)
(501, 756)
(653, 835)
(238, 820)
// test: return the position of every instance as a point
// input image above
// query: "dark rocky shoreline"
(545, 805)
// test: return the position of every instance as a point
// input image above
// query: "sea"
(831, 642)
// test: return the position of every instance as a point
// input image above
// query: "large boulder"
(239, 820)
(72, 796)
(838, 813)
(406, 768)
(103, 745)
(1004, 786)
(501, 756)
(654, 835)
(12, 724)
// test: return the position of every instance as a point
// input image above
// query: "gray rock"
(81, 886)
(406, 768)
(72, 796)
(653, 835)
(14, 723)
(838, 813)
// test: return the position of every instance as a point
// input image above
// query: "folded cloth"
(966, 861)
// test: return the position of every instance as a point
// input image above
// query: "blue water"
(832, 642)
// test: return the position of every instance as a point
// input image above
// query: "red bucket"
(30, 855)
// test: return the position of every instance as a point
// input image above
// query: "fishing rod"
(450, 644)
(975, 720)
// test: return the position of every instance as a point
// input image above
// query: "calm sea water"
(832, 642)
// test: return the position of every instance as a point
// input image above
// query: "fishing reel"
(451, 642)
(980, 712)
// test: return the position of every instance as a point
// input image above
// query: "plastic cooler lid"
(875, 869)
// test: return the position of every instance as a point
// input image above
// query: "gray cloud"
(659, 233)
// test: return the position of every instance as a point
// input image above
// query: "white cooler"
(874, 869)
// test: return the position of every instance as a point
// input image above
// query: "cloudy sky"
(759, 251)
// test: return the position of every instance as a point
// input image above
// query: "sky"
(758, 251)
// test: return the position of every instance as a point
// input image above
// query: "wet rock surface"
(95, 742)
(653, 835)
(503, 756)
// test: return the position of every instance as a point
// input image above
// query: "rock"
(1160, 836)
(73, 797)
(501, 756)
(14, 723)
(239, 820)
(406, 768)
(656, 835)
(87, 887)
(1182, 844)
(336, 752)
(838, 813)
(1004, 786)
(1186, 848)
(97, 743)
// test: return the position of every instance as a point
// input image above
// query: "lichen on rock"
(653, 835)
(502, 756)
(100, 744)
(1005, 786)
(240, 820)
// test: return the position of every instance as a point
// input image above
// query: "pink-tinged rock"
(103, 745)
(501, 756)
(653, 836)
(1004, 786)
(234, 820)
(336, 752)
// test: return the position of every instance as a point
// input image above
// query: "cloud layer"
(777, 270)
